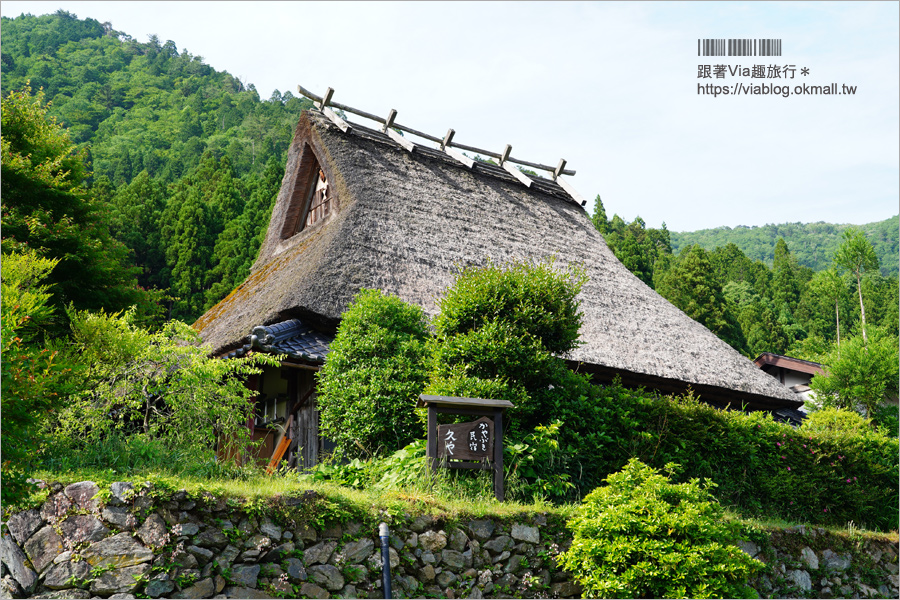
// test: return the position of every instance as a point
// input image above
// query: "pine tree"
(691, 286)
(599, 217)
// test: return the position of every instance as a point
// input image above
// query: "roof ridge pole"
(387, 128)
(332, 116)
(514, 171)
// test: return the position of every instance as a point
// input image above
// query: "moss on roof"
(407, 223)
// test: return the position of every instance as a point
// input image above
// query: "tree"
(692, 286)
(599, 217)
(500, 332)
(238, 244)
(859, 373)
(31, 374)
(136, 222)
(159, 386)
(375, 371)
(46, 208)
(825, 289)
(785, 286)
(857, 256)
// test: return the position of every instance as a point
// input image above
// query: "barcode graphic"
(739, 47)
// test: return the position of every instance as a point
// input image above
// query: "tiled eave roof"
(293, 338)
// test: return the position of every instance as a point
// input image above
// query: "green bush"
(834, 469)
(499, 333)
(31, 375)
(641, 536)
(859, 373)
(373, 376)
(161, 387)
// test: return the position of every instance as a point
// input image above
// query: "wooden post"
(559, 168)
(432, 437)
(448, 138)
(499, 491)
(326, 100)
(389, 122)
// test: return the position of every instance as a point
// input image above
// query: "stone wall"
(176, 546)
(130, 541)
(811, 562)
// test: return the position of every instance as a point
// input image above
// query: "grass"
(255, 488)
(449, 495)
(443, 500)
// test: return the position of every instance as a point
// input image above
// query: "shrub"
(499, 333)
(641, 536)
(859, 373)
(159, 386)
(374, 374)
(762, 467)
(31, 374)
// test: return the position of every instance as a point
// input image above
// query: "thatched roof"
(407, 222)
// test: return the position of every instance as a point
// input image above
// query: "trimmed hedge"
(832, 470)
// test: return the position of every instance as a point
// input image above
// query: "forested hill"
(812, 244)
(143, 106)
(187, 161)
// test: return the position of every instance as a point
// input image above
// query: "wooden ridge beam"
(324, 102)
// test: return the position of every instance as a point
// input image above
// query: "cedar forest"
(144, 178)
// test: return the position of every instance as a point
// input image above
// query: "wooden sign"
(474, 445)
(467, 441)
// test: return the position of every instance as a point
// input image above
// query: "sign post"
(474, 445)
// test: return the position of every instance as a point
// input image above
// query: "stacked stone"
(865, 568)
(176, 546)
(76, 547)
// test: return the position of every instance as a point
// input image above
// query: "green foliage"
(30, 374)
(142, 116)
(162, 386)
(47, 209)
(641, 536)
(742, 453)
(375, 371)
(498, 333)
(813, 244)
(690, 286)
(857, 256)
(532, 465)
(859, 374)
(645, 252)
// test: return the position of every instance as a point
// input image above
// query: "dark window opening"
(312, 198)
(319, 202)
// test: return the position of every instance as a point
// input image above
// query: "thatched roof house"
(405, 222)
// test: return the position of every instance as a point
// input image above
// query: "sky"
(612, 87)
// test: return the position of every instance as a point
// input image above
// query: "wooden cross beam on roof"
(514, 171)
(447, 145)
(387, 128)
